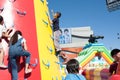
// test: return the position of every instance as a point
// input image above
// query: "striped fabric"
(96, 74)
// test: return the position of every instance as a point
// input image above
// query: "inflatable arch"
(89, 52)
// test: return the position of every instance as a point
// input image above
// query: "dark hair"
(66, 30)
(1, 18)
(72, 66)
(91, 35)
(59, 14)
(60, 30)
(114, 52)
(14, 38)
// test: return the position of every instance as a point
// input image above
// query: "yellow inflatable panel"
(50, 69)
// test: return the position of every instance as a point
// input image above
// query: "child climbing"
(56, 30)
(17, 48)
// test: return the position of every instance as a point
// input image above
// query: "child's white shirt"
(23, 40)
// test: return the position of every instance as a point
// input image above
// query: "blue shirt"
(75, 77)
(55, 24)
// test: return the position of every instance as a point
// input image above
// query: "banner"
(65, 37)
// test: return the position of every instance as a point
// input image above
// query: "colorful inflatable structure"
(95, 70)
(32, 18)
(90, 51)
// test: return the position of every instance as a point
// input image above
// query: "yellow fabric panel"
(50, 70)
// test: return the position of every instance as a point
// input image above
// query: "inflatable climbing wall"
(32, 18)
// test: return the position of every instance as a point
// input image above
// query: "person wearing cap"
(115, 66)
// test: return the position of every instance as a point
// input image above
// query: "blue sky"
(94, 13)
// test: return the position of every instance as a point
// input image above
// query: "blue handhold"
(50, 49)
(35, 64)
(52, 37)
(45, 22)
(59, 63)
(46, 64)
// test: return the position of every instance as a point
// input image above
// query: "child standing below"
(115, 66)
(17, 48)
(56, 30)
(73, 70)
